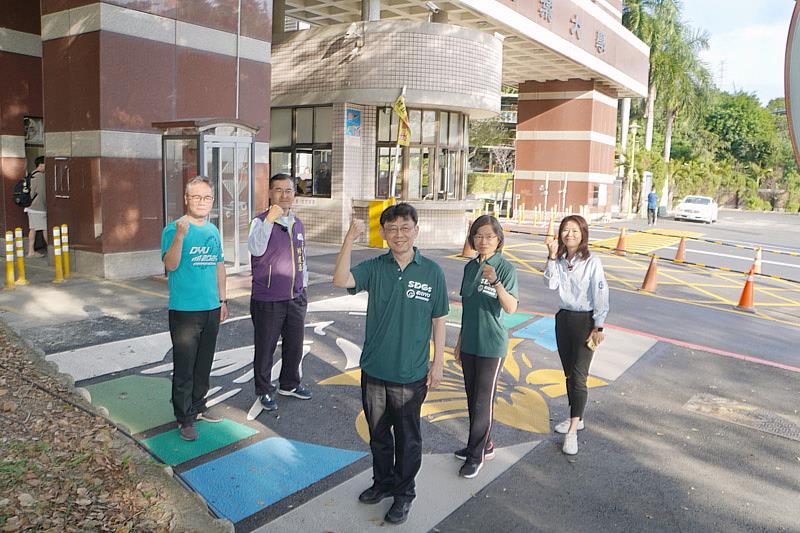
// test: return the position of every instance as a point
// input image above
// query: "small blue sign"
(352, 127)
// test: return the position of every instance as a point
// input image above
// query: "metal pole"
(9, 261)
(20, 257)
(396, 152)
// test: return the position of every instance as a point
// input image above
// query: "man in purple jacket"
(278, 301)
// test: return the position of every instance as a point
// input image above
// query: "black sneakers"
(268, 402)
(488, 453)
(470, 470)
(373, 495)
(298, 392)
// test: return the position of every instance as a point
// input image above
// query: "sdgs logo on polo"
(419, 291)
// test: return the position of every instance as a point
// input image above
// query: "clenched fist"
(182, 227)
(357, 229)
(275, 212)
(489, 273)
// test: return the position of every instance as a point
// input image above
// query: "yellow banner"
(403, 128)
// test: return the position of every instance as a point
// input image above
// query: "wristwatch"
(223, 302)
(495, 282)
(599, 329)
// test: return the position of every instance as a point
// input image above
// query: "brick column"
(565, 130)
(20, 96)
(108, 78)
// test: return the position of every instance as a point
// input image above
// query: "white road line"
(749, 259)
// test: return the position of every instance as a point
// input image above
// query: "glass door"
(227, 165)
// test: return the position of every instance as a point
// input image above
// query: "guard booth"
(223, 151)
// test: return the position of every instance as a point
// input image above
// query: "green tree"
(656, 23)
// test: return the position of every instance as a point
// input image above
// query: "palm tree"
(655, 22)
(684, 84)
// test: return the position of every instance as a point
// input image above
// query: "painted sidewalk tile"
(173, 450)
(138, 402)
(248, 480)
(512, 321)
(542, 332)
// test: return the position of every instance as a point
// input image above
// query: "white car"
(700, 208)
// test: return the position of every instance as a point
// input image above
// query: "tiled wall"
(352, 176)
(431, 60)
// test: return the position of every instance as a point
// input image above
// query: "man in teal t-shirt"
(191, 249)
(407, 301)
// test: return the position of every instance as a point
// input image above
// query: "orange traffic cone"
(746, 299)
(621, 243)
(549, 236)
(467, 250)
(757, 262)
(680, 255)
(650, 282)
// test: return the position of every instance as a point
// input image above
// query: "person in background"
(37, 211)
(578, 277)
(652, 207)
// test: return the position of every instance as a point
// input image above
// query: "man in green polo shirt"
(407, 300)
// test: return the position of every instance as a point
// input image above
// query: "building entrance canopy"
(543, 40)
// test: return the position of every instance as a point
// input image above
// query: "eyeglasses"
(405, 230)
(198, 198)
(479, 237)
(283, 192)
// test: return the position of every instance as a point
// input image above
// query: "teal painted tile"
(512, 321)
(173, 450)
(138, 402)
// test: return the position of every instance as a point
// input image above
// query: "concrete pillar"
(370, 10)
(278, 20)
(565, 145)
(439, 17)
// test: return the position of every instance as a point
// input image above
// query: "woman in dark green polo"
(488, 294)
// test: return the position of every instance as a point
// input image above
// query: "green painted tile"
(139, 402)
(516, 319)
(173, 450)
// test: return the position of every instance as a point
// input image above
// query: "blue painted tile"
(248, 480)
(542, 332)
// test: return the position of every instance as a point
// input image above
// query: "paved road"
(678, 438)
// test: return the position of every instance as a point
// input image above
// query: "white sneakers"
(563, 427)
(570, 444)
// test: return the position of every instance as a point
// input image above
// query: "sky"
(747, 44)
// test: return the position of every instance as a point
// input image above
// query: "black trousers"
(572, 330)
(480, 383)
(271, 321)
(194, 340)
(651, 215)
(392, 411)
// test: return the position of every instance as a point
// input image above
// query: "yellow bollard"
(9, 261)
(20, 257)
(522, 214)
(508, 210)
(65, 249)
(59, 278)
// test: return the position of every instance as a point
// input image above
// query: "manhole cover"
(744, 415)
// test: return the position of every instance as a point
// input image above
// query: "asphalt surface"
(646, 463)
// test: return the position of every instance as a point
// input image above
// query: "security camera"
(433, 8)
